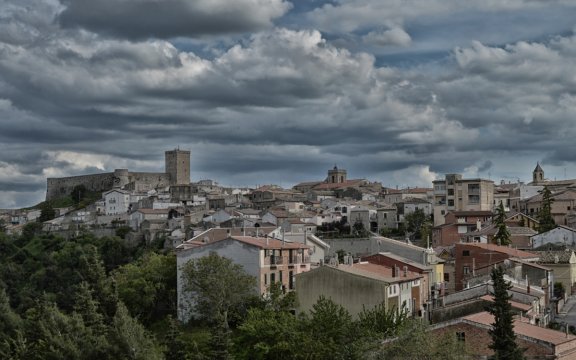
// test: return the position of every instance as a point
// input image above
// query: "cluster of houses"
(306, 239)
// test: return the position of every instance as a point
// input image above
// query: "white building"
(116, 202)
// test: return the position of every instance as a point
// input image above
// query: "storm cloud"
(102, 85)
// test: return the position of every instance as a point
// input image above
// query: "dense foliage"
(418, 223)
(98, 298)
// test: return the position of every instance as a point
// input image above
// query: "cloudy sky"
(273, 91)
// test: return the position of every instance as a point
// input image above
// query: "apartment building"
(456, 194)
(269, 260)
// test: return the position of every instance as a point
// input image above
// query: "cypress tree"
(545, 218)
(502, 331)
(502, 236)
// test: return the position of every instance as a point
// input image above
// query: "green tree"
(47, 212)
(52, 334)
(383, 322)
(502, 236)
(418, 223)
(330, 326)
(502, 331)
(218, 285)
(271, 331)
(175, 347)
(148, 286)
(271, 335)
(415, 342)
(545, 218)
(10, 326)
(130, 339)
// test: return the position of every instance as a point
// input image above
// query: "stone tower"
(336, 176)
(178, 166)
(537, 174)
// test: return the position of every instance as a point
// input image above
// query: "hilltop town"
(427, 250)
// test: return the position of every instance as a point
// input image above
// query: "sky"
(278, 92)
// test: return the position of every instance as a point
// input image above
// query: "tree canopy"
(217, 285)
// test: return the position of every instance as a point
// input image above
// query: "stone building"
(177, 173)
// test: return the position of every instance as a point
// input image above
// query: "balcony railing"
(299, 259)
(273, 260)
(290, 260)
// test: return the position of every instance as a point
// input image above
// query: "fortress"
(177, 172)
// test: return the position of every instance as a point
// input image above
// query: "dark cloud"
(143, 19)
(277, 106)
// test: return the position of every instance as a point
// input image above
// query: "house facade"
(269, 260)
(360, 286)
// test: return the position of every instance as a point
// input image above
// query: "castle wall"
(147, 181)
(139, 181)
(59, 187)
(177, 173)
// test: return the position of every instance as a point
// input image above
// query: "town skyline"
(277, 92)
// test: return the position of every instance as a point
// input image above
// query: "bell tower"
(336, 176)
(537, 174)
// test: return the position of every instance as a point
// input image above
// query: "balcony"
(273, 260)
(299, 259)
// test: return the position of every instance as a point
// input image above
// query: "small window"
(446, 277)
(461, 335)
(466, 270)
(465, 252)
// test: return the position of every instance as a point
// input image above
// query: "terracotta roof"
(378, 272)
(403, 260)
(269, 243)
(153, 211)
(345, 184)
(308, 183)
(556, 257)
(524, 329)
(515, 304)
(503, 249)
(216, 234)
(471, 213)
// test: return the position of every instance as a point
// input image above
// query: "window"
(461, 335)
(465, 252)
(466, 270)
(473, 199)
(450, 191)
(265, 279)
(446, 277)
(450, 202)
(272, 278)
